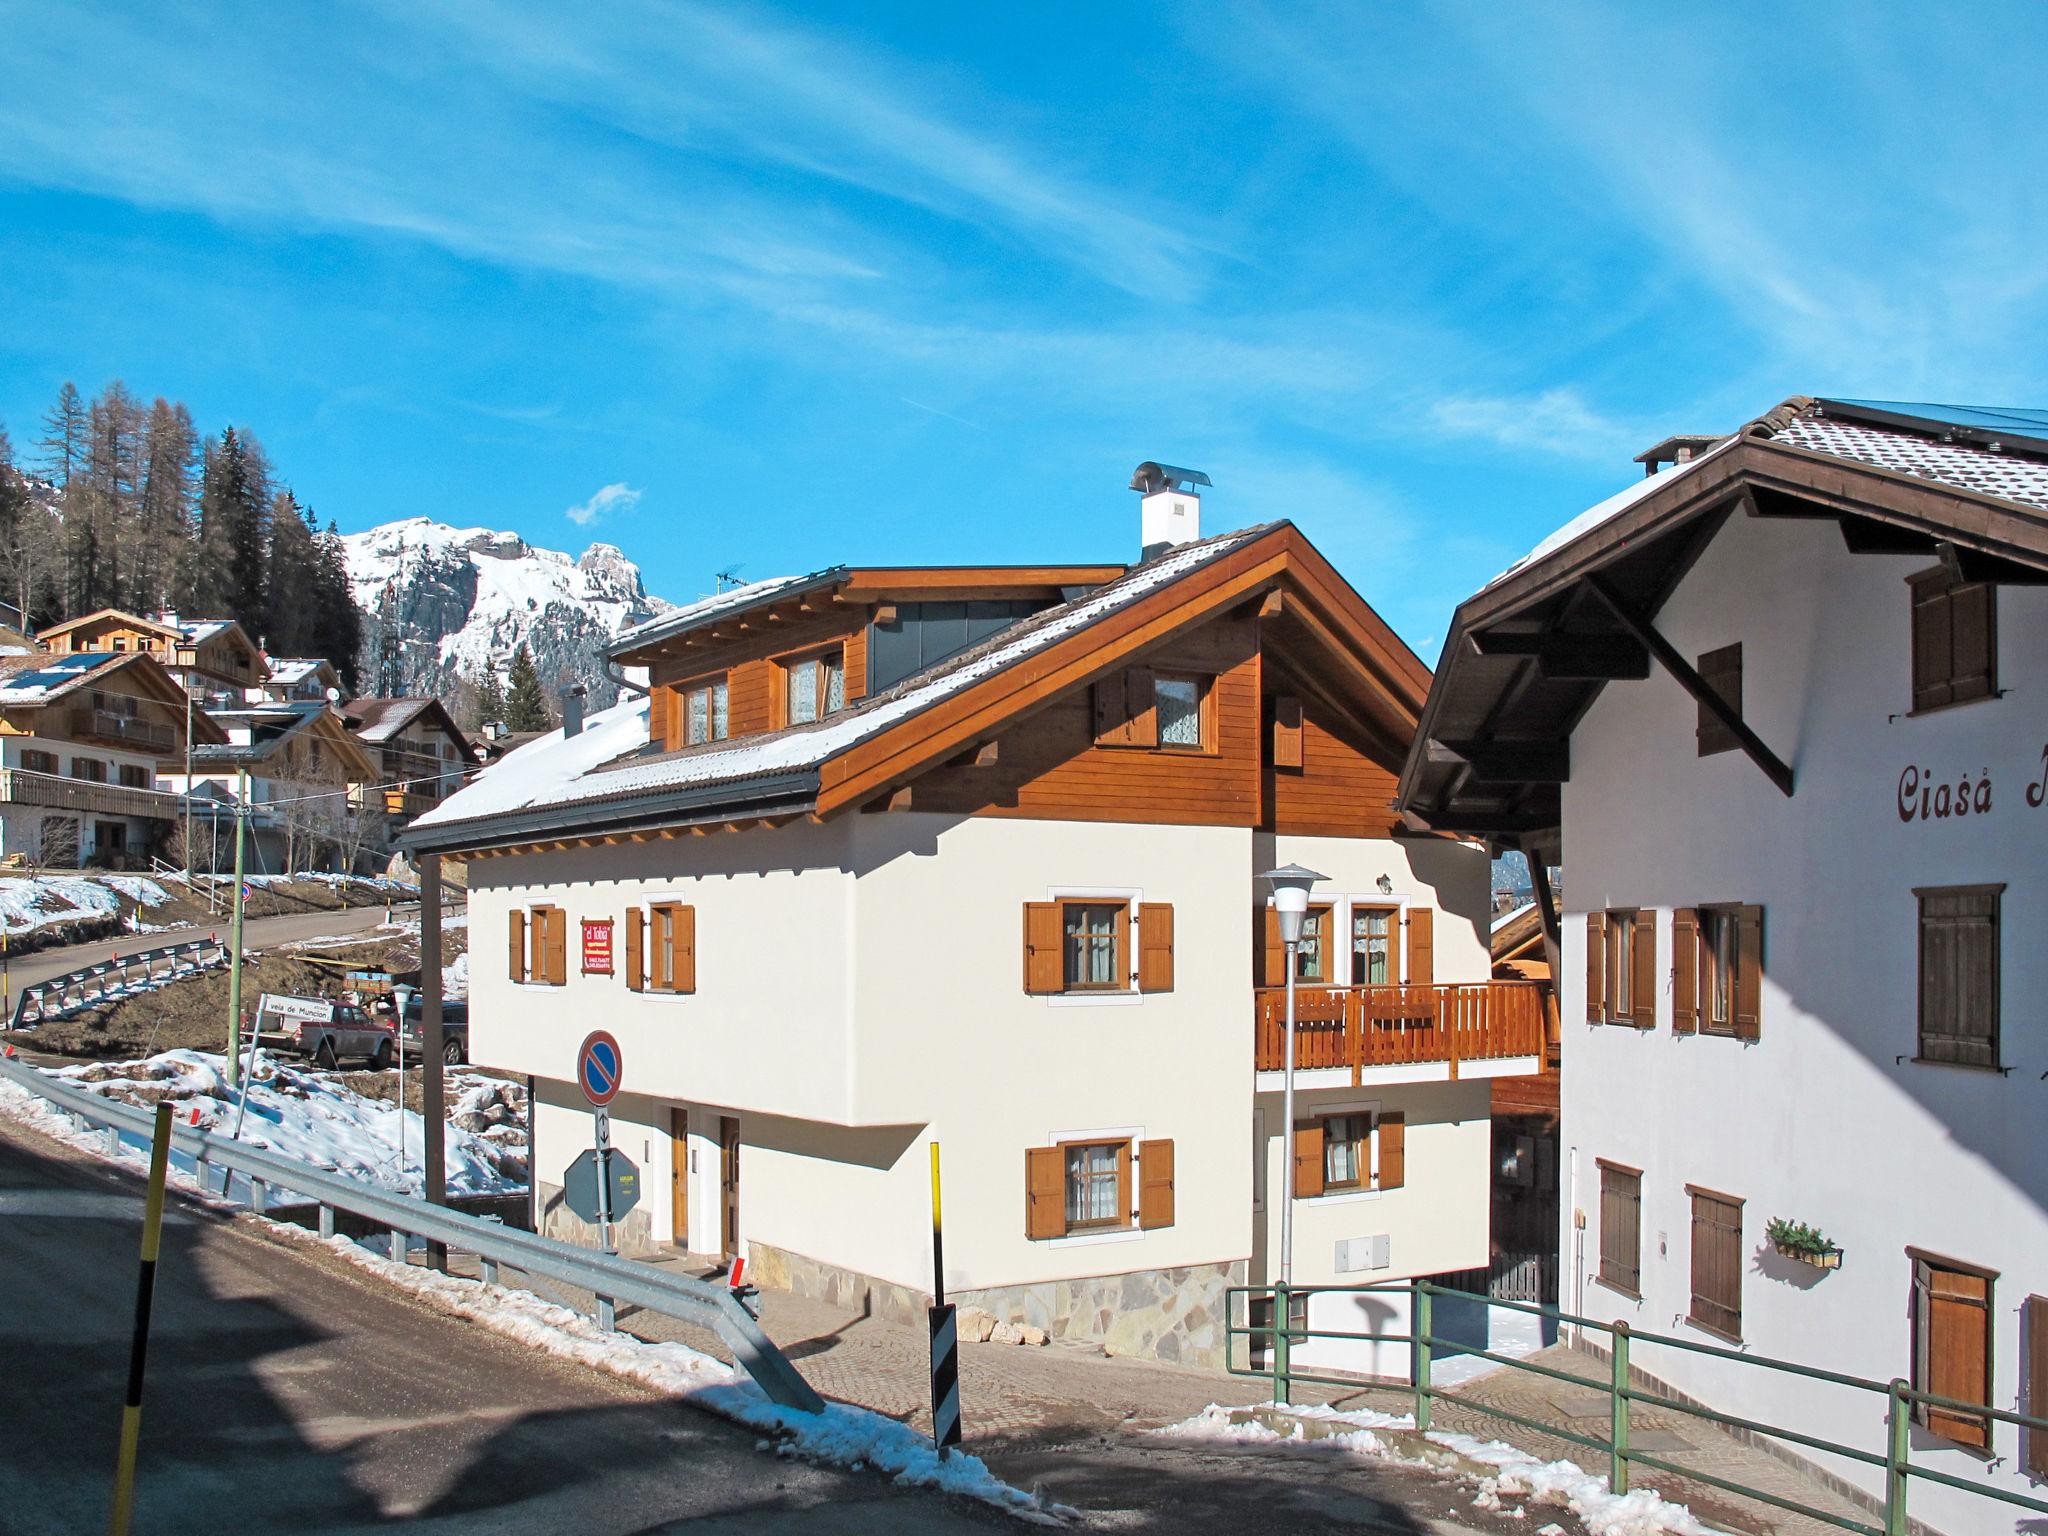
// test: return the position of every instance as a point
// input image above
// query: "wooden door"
(679, 1173)
(729, 1184)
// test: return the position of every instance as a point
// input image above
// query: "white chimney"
(1169, 506)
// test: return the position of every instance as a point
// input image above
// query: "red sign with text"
(597, 946)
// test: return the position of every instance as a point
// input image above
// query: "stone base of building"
(634, 1236)
(1174, 1315)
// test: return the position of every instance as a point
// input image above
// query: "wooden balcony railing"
(1353, 1028)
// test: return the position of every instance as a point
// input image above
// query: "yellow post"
(138, 1350)
(938, 1238)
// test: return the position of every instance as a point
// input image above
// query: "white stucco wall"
(1818, 1121)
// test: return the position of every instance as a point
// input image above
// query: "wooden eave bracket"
(1682, 672)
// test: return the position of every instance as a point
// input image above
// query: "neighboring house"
(212, 659)
(83, 737)
(1525, 1129)
(421, 755)
(305, 771)
(297, 680)
(1781, 705)
(492, 741)
(972, 856)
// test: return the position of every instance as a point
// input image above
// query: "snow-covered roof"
(290, 671)
(1605, 512)
(53, 674)
(690, 615)
(199, 631)
(1501, 920)
(382, 719)
(601, 762)
(269, 726)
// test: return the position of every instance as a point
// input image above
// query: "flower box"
(1829, 1257)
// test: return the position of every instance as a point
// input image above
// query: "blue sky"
(923, 283)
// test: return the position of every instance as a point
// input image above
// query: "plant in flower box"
(1797, 1240)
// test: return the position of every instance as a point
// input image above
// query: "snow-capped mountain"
(457, 600)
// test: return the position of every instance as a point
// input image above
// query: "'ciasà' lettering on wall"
(1923, 797)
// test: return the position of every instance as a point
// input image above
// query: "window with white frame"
(1372, 947)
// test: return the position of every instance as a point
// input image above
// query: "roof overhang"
(642, 816)
(1527, 655)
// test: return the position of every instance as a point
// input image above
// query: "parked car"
(324, 1029)
(454, 1029)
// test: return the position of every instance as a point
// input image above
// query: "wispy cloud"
(1553, 421)
(616, 497)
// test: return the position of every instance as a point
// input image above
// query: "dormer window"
(704, 711)
(814, 686)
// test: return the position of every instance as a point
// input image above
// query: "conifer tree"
(63, 440)
(526, 702)
(490, 697)
(170, 453)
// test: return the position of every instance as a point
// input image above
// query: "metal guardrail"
(1901, 1399)
(607, 1277)
(75, 989)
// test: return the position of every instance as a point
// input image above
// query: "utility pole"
(235, 932)
(433, 1107)
(188, 785)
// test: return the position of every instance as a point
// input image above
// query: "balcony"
(1365, 1035)
(19, 786)
(121, 730)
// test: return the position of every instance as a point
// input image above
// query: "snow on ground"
(1498, 1330)
(29, 902)
(455, 978)
(317, 1119)
(843, 1435)
(1516, 1476)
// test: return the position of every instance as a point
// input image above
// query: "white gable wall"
(1817, 1121)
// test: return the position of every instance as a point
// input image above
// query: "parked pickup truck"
(323, 1029)
(454, 1029)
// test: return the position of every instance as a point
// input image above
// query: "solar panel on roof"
(2020, 423)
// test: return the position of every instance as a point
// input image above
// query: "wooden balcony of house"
(120, 730)
(1402, 1034)
(19, 786)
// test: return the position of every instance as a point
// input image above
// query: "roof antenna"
(729, 577)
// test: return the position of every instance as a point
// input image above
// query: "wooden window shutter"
(1596, 967)
(636, 949)
(1045, 1193)
(1272, 953)
(557, 963)
(1042, 971)
(1421, 947)
(1685, 971)
(683, 955)
(1155, 947)
(1721, 671)
(1393, 1169)
(1308, 1159)
(518, 967)
(1955, 1319)
(1933, 641)
(2034, 1330)
(1287, 751)
(1749, 973)
(1155, 1184)
(1141, 701)
(1111, 717)
(1642, 1002)
(1973, 641)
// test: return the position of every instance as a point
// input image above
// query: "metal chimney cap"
(1150, 476)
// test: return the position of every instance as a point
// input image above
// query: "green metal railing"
(1901, 1399)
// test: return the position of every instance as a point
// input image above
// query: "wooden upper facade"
(1257, 689)
(125, 701)
(210, 656)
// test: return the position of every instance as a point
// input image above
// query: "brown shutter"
(1685, 971)
(1140, 699)
(556, 965)
(636, 938)
(1393, 1170)
(1042, 972)
(2034, 1325)
(1749, 973)
(1596, 967)
(683, 959)
(1045, 1193)
(1933, 642)
(1112, 715)
(1287, 731)
(518, 966)
(1959, 1352)
(1421, 947)
(1155, 1184)
(1155, 946)
(1308, 1159)
(1642, 1004)
(1272, 953)
(1973, 638)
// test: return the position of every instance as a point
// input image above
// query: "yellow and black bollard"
(138, 1349)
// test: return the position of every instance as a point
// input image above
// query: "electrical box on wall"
(1360, 1253)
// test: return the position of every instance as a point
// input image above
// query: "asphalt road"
(257, 933)
(290, 1392)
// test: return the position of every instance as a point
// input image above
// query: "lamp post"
(1290, 886)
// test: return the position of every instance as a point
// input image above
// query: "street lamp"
(1290, 886)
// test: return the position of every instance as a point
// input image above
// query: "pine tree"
(526, 703)
(226, 579)
(337, 628)
(170, 453)
(63, 440)
(490, 697)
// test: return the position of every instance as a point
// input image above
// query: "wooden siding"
(1048, 766)
(1337, 792)
(753, 673)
